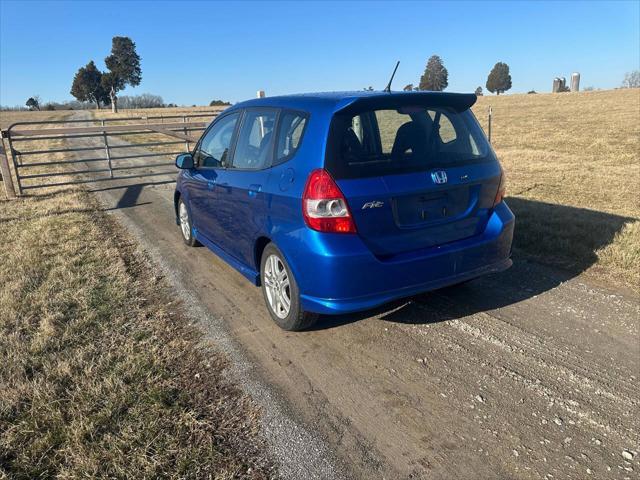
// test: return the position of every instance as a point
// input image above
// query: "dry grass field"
(9, 117)
(573, 168)
(144, 112)
(105, 376)
(206, 114)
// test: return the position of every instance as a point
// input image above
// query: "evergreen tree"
(499, 80)
(124, 68)
(435, 75)
(87, 85)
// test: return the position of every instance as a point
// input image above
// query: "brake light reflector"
(323, 205)
(502, 189)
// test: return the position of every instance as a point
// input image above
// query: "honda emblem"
(439, 177)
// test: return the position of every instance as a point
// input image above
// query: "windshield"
(406, 139)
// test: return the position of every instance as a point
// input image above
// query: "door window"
(214, 148)
(255, 140)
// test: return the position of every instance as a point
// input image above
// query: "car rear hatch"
(416, 170)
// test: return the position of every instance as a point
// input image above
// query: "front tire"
(186, 225)
(281, 293)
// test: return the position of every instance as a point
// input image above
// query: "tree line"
(144, 100)
(436, 78)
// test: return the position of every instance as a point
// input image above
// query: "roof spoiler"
(458, 101)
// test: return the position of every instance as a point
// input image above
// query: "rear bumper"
(339, 274)
(346, 305)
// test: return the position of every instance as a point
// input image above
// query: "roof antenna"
(388, 87)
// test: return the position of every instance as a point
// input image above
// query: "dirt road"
(527, 374)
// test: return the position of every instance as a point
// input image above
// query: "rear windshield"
(403, 140)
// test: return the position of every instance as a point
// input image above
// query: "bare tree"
(631, 79)
(145, 100)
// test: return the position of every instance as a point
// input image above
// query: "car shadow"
(129, 197)
(552, 244)
(139, 185)
(130, 193)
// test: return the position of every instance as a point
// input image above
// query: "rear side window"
(292, 126)
(403, 140)
(255, 140)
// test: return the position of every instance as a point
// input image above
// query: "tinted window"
(289, 135)
(213, 150)
(255, 141)
(446, 131)
(407, 139)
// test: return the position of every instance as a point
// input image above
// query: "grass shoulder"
(105, 377)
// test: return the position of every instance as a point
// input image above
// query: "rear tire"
(186, 225)
(281, 293)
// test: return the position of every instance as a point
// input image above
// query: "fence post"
(7, 179)
(261, 94)
(490, 115)
(106, 149)
(186, 142)
(7, 135)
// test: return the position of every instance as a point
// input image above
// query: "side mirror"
(184, 161)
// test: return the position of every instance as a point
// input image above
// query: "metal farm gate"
(100, 153)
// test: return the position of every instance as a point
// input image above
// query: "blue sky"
(193, 52)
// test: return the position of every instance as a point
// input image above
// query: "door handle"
(254, 189)
(211, 184)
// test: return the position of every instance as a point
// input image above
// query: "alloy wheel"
(184, 222)
(278, 286)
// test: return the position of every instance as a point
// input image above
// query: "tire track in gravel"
(575, 391)
(548, 355)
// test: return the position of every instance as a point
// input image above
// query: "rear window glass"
(403, 140)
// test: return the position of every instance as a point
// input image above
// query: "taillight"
(502, 189)
(323, 205)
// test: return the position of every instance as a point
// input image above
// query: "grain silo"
(575, 82)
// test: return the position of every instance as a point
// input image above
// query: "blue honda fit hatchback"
(339, 202)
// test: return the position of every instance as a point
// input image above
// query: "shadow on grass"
(561, 237)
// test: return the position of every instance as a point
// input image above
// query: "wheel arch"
(259, 246)
(176, 198)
